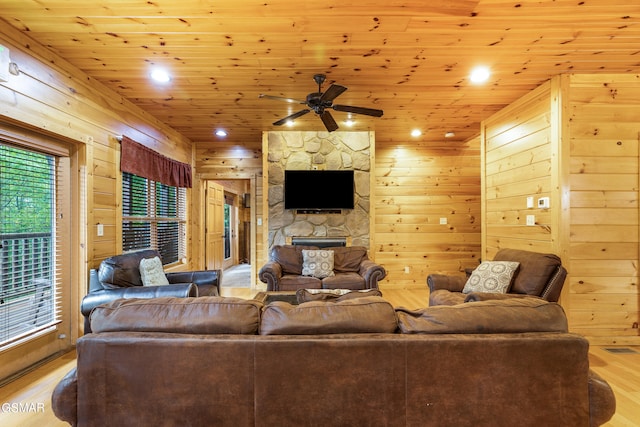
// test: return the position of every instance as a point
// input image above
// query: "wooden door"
(214, 245)
(231, 234)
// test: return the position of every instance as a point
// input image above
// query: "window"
(153, 217)
(28, 262)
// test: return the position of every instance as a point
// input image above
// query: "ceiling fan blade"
(358, 110)
(332, 93)
(280, 98)
(328, 121)
(291, 117)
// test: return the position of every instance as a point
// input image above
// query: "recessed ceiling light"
(449, 134)
(160, 76)
(479, 75)
(221, 133)
(416, 133)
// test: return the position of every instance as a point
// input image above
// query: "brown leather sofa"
(540, 275)
(216, 361)
(119, 277)
(352, 268)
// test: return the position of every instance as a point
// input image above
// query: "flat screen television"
(318, 189)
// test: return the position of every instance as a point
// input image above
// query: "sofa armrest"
(271, 273)
(205, 280)
(94, 299)
(602, 401)
(443, 281)
(64, 399)
(372, 273)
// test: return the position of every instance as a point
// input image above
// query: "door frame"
(234, 230)
(199, 219)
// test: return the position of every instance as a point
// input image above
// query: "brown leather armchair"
(539, 275)
(119, 277)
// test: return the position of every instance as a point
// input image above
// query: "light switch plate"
(443, 221)
(531, 220)
(529, 202)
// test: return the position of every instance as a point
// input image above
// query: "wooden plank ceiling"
(410, 58)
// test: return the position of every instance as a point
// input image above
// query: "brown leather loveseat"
(352, 269)
(215, 361)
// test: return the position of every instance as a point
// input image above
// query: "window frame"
(30, 255)
(157, 214)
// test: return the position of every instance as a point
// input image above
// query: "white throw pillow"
(152, 273)
(491, 277)
(317, 263)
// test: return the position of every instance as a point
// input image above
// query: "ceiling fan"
(320, 102)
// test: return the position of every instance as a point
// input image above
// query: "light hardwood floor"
(34, 389)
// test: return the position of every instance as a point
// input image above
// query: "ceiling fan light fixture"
(349, 122)
(221, 133)
(320, 103)
(289, 123)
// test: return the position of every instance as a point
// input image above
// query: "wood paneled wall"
(517, 152)
(52, 97)
(416, 185)
(575, 139)
(603, 129)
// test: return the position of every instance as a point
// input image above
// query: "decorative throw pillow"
(317, 263)
(492, 277)
(152, 273)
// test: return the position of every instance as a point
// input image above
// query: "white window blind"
(153, 217)
(28, 243)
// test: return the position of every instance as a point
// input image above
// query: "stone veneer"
(325, 151)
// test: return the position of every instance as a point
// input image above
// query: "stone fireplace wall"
(322, 151)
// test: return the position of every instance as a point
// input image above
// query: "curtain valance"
(137, 159)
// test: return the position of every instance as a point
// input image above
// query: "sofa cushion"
(334, 295)
(202, 315)
(535, 272)
(152, 273)
(358, 315)
(292, 282)
(349, 280)
(491, 276)
(514, 315)
(348, 259)
(317, 263)
(289, 257)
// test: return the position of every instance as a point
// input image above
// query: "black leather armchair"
(119, 277)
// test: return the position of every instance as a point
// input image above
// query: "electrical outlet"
(531, 220)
